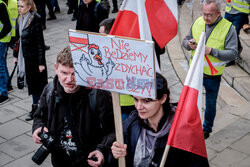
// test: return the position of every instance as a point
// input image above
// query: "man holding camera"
(75, 124)
(221, 47)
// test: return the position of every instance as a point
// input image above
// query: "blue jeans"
(3, 69)
(212, 86)
(238, 20)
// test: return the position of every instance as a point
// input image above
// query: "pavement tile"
(243, 145)
(240, 111)
(174, 49)
(229, 135)
(242, 84)
(223, 118)
(19, 146)
(25, 104)
(244, 163)
(211, 154)
(14, 128)
(26, 161)
(229, 158)
(10, 112)
(181, 68)
(227, 92)
(232, 72)
(2, 140)
(4, 159)
(19, 93)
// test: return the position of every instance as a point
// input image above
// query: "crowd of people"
(81, 119)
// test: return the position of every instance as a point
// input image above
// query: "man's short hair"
(217, 3)
(107, 23)
(65, 57)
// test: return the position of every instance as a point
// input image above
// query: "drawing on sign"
(113, 63)
(91, 64)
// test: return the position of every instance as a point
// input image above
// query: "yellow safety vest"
(8, 36)
(216, 40)
(12, 6)
(126, 100)
(240, 5)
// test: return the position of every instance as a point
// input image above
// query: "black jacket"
(33, 53)
(95, 129)
(176, 158)
(89, 18)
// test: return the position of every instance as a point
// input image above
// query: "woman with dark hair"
(146, 129)
(146, 132)
(30, 55)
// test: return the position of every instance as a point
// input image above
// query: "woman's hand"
(41, 68)
(119, 150)
(35, 136)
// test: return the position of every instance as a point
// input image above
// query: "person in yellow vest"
(5, 36)
(237, 12)
(12, 7)
(13, 11)
(221, 47)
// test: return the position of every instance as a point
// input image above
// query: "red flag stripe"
(163, 24)
(127, 25)
(78, 40)
(187, 119)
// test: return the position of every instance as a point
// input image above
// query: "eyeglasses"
(208, 15)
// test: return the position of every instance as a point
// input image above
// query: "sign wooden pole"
(118, 123)
(164, 156)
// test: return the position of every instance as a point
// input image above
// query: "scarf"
(145, 146)
(21, 64)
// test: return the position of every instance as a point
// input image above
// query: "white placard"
(113, 63)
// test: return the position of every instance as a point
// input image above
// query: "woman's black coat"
(33, 53)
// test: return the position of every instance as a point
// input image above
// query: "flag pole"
(118, 124)
(164, 156)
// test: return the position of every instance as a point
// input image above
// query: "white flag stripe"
(172, 5)
(194, 77)
(78, 35)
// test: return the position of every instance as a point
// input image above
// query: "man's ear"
(55, 65)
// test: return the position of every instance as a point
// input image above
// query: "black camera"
(44, 150)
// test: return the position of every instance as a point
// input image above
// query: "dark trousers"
(212, 86)
(40, 5)
(50, 8)
(115, 4)
(238, 20)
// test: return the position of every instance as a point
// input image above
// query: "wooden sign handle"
(118, 124)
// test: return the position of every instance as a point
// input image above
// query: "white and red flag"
(141, 18)
(162, 17)
(186, 131)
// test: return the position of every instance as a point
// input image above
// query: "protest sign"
(113, 63)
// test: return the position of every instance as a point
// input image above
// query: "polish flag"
(163, 20)
(132, 21)
(186, 131)
(77, 37)
(140, 18)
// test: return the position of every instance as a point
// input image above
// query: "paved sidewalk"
(229, 144)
